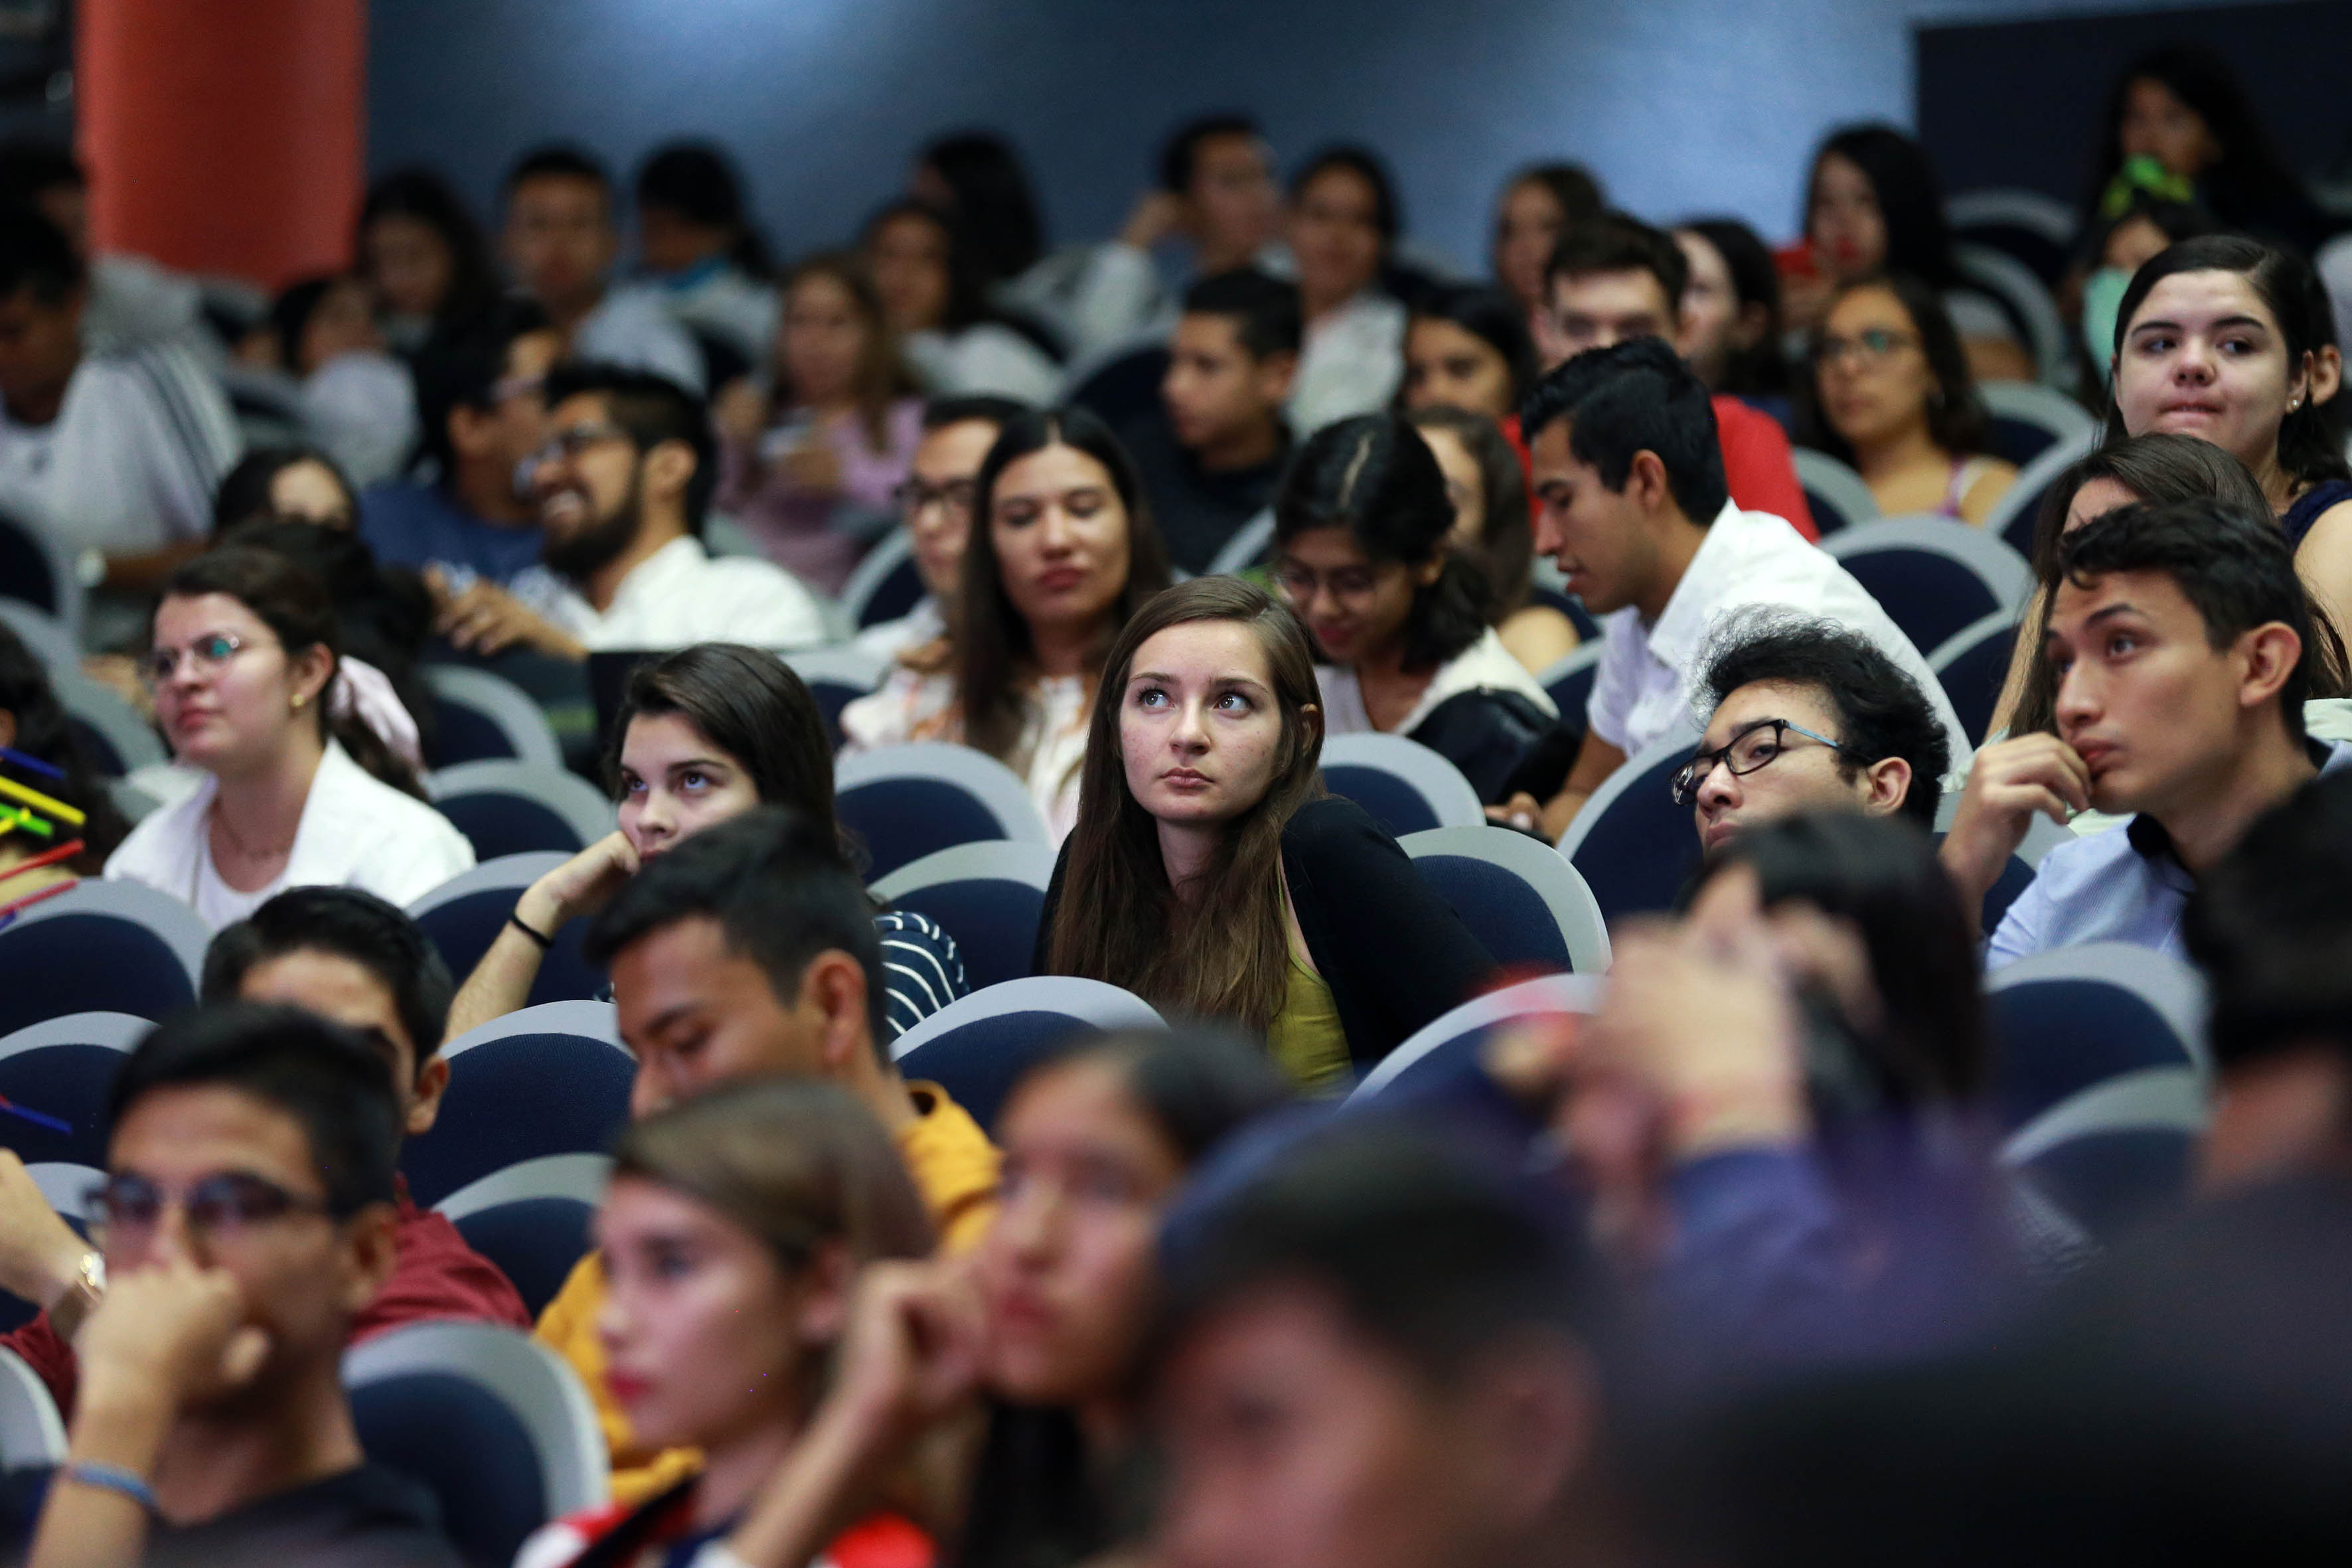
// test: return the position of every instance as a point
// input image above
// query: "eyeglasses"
(1298, 583)
(565, 445)
(913, 496)
(1872, 346)
(1754, 747)
(224, 1205)
(208, 655)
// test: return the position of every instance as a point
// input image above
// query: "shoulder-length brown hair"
(1506, 541)
(993, 650)
(882, 375)
(1224, 952)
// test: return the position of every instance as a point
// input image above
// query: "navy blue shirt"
(419, 525)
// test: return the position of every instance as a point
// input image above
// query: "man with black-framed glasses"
(935, 502)
(246, 1217)
(1808, 716)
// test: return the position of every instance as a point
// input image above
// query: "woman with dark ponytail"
(250, 686)
(1399, 618)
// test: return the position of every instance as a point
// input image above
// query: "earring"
(299, 700)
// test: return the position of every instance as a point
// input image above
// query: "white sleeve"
(1117, 295)
(193, 438)
(1616, 682)
(755, 603)
(993, 358)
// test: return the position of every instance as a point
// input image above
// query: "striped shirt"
(921, 970)
(132, 458)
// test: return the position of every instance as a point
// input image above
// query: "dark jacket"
(1394, 955)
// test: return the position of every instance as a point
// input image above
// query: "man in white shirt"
(1636, 514)
(116, 456)
(623, 485)
(561, 243)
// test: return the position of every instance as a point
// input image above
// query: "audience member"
(131, 302)
(1468, 347)
(1209, 875)
(1627, 465)
(2231, 341)
(977, 176)
(300, 483)
(809, 469)
(703, 736)
(319, 349)
(1890, 394)
(1538, 204)
(1211, 453)
(2184, 650)
(422, 252)
(935, 296)
(1342, 224)
(1731, 311)
(1487, 484)
(2181, 124)
(1867, 737)
(114, 456)
(248, 1219)
(482, 418)
(1050, 1326)
(623, 485)
(1063, 552)
(697, 243)
(1363, 550)
(2118, 250)
(1380, 1353)
(245, 668)
(1873, 205)
(2154, 468)
(747, 951)
(1617, 278)
(50, 759)
(935, 503)
(734, 1235)
(561, 241)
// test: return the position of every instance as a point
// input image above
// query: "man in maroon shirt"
(1615, 279)
(348, 956)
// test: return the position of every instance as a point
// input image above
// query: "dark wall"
(2019, 103)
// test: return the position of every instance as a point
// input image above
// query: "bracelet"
(545, 942)
(109, 1478)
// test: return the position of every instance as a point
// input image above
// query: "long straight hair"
(1225, 952)
(993, 648)
(1506, 543)
(881, 377)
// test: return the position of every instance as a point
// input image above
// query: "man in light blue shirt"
(2185, 646)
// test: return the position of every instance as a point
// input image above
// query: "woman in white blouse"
(1063, 552)
(245, 668)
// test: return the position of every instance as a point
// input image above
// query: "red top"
(435, 1275)
(1759, 466)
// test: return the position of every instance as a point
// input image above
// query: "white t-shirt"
(631, 326)
(1648, 676)
(983, 358)
(681, 595)
(889, 639)
(1484, 666)
(1352, 362)
(356, 831)
(1051, 756)
(132, 458)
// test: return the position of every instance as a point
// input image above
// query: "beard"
(599, 541)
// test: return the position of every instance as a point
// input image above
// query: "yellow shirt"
(953, 1166)
(1305, 1039)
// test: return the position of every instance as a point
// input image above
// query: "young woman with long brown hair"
(1210, 874)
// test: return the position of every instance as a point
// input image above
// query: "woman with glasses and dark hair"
(246, 668)
(1890, 394)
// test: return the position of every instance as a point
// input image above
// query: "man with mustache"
(622, 487)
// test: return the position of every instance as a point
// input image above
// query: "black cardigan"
(1394, 954)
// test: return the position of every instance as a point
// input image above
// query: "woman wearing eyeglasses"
(246, 671)
(1362, 550)
(1891, 394)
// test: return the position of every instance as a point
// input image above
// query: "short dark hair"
(2270, 926)
(2234, 567)
(1631, 398)
(1264, 310)
(33, 255)
(963, 408)
(698, 181)
(321, 1074)
(652, 409)
(559, 161)
(461, 368)
(1620, 242)
(348, 923)
(778, 887)
(1181, 152)
(1433, 1257)
(1366, 164)
(1881, 711)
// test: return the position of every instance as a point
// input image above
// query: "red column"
(224, 136)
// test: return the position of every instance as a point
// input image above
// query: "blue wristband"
(111, 1479)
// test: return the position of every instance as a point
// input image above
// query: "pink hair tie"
(362, 690)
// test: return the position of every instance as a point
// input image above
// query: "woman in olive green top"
(1209, 875)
